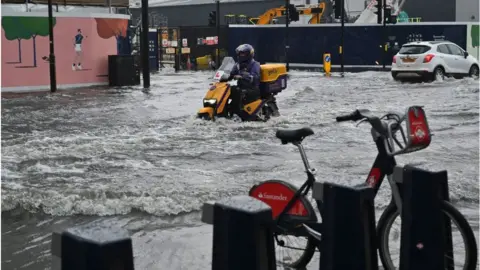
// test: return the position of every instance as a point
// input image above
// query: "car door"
(447, 58)
(460, 63)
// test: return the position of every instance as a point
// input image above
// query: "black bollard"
(424, 236)
(176, 63)
(242, 234)
(90, 247)
(348, 236)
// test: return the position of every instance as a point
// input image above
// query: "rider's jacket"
(249, 71)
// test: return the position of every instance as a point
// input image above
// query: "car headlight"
(209, 102)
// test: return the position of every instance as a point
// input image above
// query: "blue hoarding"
(153, 49)
(362, 43)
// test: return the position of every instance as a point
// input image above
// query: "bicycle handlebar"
(354, 116)
(375, 121)
(387, 127)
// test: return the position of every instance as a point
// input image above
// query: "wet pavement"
(139, 160)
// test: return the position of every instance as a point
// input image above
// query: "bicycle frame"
(383, 165)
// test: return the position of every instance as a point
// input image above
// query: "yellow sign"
(170, 50)
(327, 63)
(185, 50)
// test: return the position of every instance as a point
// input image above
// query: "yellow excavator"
(270, 15)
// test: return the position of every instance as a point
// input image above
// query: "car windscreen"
(414, 49)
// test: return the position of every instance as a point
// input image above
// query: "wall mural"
(25, 28)
(82, 46)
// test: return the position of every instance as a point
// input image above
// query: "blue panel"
(363, 44)
(153, 50)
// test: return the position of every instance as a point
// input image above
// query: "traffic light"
(389, 18)
(293, 13)
(379, 7)
(212, 18)
(337, 7)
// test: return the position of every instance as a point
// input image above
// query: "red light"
(394, 59)
(428, 58)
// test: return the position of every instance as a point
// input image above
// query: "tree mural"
(37, 26)
(15, 31)
(107, 28)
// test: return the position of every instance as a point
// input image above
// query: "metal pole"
(51, 57)
(287, 21)
(384, 39)
(342, 6)
(217, 53)
(144, 45)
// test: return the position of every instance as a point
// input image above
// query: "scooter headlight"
(209, 102)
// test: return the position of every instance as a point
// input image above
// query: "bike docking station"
(426, 234)
(242, 234)
(348, 216)
(246, 229)
(90, 247)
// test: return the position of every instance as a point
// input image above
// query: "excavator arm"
(267, 17)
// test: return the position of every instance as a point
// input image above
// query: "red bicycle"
(296, 219)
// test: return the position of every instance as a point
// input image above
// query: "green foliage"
(475, 32)
(13, 29)
(37, 26)
(25, 27)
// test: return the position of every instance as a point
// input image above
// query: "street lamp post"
(287, 21)
(217, 53)
(51, 57)
(144, 51)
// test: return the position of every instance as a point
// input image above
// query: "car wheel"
(394, 75)
(473, 71)
(438, 74)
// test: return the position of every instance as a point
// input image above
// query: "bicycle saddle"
(293, 135)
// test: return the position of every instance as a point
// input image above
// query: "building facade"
(195, 13)
(467, 11)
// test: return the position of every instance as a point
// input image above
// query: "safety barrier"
(243, 230)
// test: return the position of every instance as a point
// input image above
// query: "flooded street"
(142, 161)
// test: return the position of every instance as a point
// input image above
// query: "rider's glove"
(246, 76)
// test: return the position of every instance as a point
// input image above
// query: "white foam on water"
(123, 150)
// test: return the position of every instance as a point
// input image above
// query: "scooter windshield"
(227, 65)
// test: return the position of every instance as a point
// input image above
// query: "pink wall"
(97, 44)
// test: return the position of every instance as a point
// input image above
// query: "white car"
(433, 60)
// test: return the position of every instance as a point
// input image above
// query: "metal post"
(144, 45)
(342, 6)
(51, 57)
(217, 53)
(287, 21)
(384, 30)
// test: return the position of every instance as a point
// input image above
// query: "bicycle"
(295, 216)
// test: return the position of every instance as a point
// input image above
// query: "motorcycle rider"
(247, 72)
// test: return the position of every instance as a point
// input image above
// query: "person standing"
(77, 61)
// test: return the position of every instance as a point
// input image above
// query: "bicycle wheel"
(296, 252)
(385, 225)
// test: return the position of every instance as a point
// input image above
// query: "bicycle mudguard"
(277, 194)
